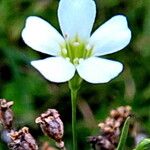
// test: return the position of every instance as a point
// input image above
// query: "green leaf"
(124, 134)
(143, 145)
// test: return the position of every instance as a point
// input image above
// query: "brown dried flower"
(110, 129)
(6, 114)
(22, 140)
(52, 125)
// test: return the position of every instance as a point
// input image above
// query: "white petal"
(41, 36)
(76, 17)
(112, 36)
(55, 69)
(99, 70)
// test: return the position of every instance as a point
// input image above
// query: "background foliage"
(32, 94)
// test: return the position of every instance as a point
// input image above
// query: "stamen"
(89, 50)
(88, 47)
(76, 61)
(76, 44)
(64, 51)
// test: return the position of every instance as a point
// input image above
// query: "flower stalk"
(74, 102)
(74, 86)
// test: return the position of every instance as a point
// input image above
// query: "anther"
(76, 44)
(88, 47)
(76, 61)
(64, 51)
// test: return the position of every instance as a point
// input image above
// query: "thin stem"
(74, 103)
(74, 85)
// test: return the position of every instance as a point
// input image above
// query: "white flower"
(76, 50)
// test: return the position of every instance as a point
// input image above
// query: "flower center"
(76, 50)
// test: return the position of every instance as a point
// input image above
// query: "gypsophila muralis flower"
(76, 50)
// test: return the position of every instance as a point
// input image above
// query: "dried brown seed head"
(6, 114)
(110, 129)
(22, 140)
(124, 111)
(51, 124)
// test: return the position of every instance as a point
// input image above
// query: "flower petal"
(41, 36)
(112, 36)
(99, 70)
(55, 69)
(76, 17)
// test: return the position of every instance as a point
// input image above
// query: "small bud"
(22, 140)
(6, 114)
(51, 124)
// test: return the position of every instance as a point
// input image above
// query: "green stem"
(124, 134)
(74, 86)
(74, 103)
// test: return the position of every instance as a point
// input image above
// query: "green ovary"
(76, 50)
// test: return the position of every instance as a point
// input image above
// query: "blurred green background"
(32, 94)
